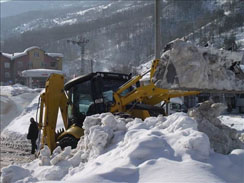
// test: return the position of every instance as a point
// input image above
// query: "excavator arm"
(148, 94)
(52, 100)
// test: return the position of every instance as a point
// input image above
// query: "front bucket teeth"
(59, 132)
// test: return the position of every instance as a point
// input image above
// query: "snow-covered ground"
(18, 109)
(13, 100)
(158, 149)
(233, 121)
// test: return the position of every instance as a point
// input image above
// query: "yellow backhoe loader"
(97, 93)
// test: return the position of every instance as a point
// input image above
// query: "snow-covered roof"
(31, 48)
(17, 55)
(8, 55)
(40, 72)
(25, 52)
(20, 54)
(55, 54)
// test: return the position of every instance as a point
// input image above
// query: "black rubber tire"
(68, 141)
(123, 115)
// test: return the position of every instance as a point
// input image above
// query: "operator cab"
(91, 94)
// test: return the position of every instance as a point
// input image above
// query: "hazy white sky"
(2, 1)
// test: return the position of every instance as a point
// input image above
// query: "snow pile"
(242, 67)
(20, 125)
(17, 89)
(223, 139)
(114, 149)
(13, 100)
(183, 65)
(233, 121)
(17, 126)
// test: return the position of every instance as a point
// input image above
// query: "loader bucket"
(185, 66)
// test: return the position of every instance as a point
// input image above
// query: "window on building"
(53, 64)
(19, 64)
(30, 65)
(6, 65)
(7, 75)
(36, 54)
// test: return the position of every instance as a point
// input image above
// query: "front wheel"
(68, 141)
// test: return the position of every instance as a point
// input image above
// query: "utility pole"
(157, 33)
(91, 65)
(81, 43)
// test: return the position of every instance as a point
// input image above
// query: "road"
(14, 152)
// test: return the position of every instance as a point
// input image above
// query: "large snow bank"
(18, 121)
(158, 149)
(13, 100)
(223, 139)
(17, 89)
(183, 65)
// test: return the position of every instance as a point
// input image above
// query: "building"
(5, 68)
(37, 77)
(31, 58)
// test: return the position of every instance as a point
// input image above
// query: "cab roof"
(107, 75)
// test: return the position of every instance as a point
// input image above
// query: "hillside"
(120, 32)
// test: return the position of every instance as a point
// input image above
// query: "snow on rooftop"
(8, 55)
(17, 55)
(25, 52)
(31, 48)
(40, 72)
(55, 54)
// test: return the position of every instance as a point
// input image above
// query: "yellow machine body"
(54, 98)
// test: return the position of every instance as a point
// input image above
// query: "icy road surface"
(14, 151)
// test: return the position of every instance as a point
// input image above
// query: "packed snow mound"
(13, 100)
(17, 89)
(114, 149)
(19, 125)
(184, 65)
(8, 110)
(223, 139)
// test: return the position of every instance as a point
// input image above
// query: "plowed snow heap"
(185, 66)
(223, 139)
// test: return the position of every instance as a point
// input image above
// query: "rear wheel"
(123, 115)
(68, 141)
